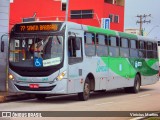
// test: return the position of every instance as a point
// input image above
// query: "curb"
(2, 99)
(7, 98)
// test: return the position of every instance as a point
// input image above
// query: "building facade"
(133, 31)
(4, 29)
(89, 12)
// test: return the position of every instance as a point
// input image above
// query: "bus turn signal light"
(10, 76)
(61, 76)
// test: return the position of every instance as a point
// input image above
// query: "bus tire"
(40, 96)
(136, 87)
(83, 96)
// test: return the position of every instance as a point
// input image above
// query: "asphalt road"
(146, 100)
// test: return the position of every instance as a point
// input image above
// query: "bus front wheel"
(83, 96)
(136, 87)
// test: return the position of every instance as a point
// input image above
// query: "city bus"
(53, 57)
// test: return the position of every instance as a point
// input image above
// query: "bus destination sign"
(37, 27)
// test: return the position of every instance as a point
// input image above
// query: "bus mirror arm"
(2, 42)
(2, 46)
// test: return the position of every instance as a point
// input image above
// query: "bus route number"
(28, 28)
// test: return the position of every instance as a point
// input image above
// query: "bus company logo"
(138, 64)
(101, 67)
(6, 114)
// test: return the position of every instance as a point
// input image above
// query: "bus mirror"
(77, 44)
(2, 46)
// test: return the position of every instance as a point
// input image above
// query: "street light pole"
(67, 6)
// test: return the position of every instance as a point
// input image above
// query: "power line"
(4, 6)
(4, 13)
(142, 20)
(3, 26)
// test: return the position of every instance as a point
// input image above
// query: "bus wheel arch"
(136, 86)
(91, 78)
(139, 74)
(89, 86)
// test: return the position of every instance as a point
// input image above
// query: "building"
(4, 29)
(89, 12)
(133, 31)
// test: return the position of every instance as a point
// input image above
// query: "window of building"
(111, 17)
(109, 1)
(82, 14)
(63, 6)
(116, 19)
(102, 48)
(113, 46)
(90, 49)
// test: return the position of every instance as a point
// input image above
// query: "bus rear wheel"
(136, 87)
(40, 96)
(83, 96)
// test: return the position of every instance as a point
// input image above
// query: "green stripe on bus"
(126, 35)
(100, 30)
(128, 67)
(145, 69)
(120, 66)
(151, 62)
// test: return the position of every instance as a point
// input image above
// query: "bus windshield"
(35, 50)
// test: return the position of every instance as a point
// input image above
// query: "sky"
(141, 7)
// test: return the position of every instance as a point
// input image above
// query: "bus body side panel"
(151, 74)
(117, 73)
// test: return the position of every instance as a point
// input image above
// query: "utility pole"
(142, 19)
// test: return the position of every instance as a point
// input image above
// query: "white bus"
(70, 58)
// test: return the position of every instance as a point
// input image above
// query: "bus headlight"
(61, 76)
(10, 76)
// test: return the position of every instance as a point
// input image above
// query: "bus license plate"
(34, 85)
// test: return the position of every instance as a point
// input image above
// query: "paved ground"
(147, 100)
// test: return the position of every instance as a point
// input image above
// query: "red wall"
(115, 10)
(97, 6)
(50, 9)
(26, 8)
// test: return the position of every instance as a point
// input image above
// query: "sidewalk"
(8, 96)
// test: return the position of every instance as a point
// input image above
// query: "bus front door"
(75, 64)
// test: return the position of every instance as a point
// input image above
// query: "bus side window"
(75, 50)
(102, 45)
(155, 53)
(142, 49)
(124, 47)
(113, 46)
(150, 53)
(90, 49)
(134, 48)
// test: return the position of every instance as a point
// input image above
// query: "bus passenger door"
(3, 61)
(75, 64)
